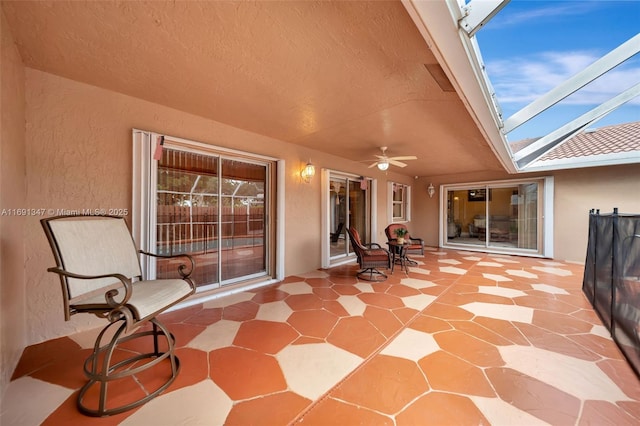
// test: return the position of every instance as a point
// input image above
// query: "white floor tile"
(201, 404)
(491, 264)
(501, 291)
(555, 271)
(582, 379)
(496, 277)
(417, 283)
(453, 270)
(274, 311)
(352, 304)
(549, 289)
(218, 335)
(501, 413)
(312, 369)
(418, 302)
(502, 312)
(521, 273)
(296, 288)
(45, 398)
(411, 344)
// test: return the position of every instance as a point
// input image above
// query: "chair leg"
(102, 369)
(379, 276)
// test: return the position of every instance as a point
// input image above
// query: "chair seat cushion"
(376, 255)
(150, 296)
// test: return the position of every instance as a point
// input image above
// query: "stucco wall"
(12, 195)
(577, 191)
(79, 156)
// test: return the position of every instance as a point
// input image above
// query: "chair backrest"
(91, 245)
(354, 236)
(390, 231)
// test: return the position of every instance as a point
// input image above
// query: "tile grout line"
(376, 352)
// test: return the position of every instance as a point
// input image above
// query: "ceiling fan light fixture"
(383, 165)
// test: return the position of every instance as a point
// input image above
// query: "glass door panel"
(466, 216)
(528, 216)
(358, 217)
(502, 228)
(338, 216)
(242, 222)
(187, 211)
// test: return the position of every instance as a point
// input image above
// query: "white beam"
(531, 153)
(584, 77)
(479, 12)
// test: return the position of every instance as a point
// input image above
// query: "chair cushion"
(150, 297)
(376, 255)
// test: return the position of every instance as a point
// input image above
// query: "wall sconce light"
(308, 172)
(383, 164)
(431, 190)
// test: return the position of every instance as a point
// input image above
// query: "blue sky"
(531, 46)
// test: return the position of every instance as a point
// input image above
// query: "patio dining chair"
(100, 274)
(416, 245)
(370, 258)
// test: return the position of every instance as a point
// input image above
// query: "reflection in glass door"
(499, 215)
(338, 219)
(349, 205)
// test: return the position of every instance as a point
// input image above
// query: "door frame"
(143, 197)
(325, 204)
(545, 217)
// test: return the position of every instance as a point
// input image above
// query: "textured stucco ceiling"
(340, 77)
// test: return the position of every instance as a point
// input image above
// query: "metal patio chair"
(100, 274)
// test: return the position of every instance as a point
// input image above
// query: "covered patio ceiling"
(340, 77)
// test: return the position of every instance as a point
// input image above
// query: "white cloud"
(554, 12)
(521, 80)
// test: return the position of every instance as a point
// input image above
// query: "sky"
(531, 46)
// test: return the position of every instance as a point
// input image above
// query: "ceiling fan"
(383, 161)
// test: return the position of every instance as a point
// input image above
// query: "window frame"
(404, 202)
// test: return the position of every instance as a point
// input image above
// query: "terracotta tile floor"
(464, 338)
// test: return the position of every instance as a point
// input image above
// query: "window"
(400, 196)
(210, 203)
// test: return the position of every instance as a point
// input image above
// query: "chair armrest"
(419, 240)
(181, 268)
(374, 245)
(111, 293)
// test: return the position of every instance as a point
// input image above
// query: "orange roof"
(613, 139)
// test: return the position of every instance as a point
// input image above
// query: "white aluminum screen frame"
(144, 214)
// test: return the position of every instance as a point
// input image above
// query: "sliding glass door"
(506, 216)
(213, 204)
(349, 204)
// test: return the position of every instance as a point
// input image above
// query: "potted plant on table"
(400, 233)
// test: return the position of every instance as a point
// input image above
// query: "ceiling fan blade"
(397, 163)
(373, 165)
(405, 157)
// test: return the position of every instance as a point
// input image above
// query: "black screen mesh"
(612, 278)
